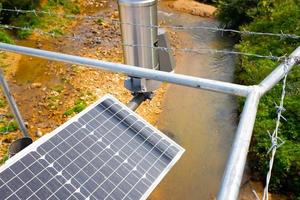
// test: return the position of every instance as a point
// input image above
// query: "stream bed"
(202, 122)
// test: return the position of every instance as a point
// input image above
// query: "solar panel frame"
(34, 146)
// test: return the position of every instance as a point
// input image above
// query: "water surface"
(202, 122)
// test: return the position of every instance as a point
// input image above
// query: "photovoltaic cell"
(105, 152)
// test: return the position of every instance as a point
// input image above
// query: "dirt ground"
(45, 90)
(193, 7)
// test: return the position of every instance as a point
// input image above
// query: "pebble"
(36, 85)
(39, 133)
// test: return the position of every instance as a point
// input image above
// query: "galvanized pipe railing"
(237, 159)
(234, 171)
(179, 79)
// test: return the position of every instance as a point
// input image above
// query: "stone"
(36, 85)
(39, 133)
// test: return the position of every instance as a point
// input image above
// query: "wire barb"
(276, 142)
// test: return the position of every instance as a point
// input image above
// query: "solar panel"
(105, 152)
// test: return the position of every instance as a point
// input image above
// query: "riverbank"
(192, 7)
(49, 93)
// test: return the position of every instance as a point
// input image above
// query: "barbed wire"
(51, 33)
(281, 35)
(276, 141)
(171, 49)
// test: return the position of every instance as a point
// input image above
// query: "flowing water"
(202, 122)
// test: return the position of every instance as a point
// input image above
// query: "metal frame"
(235, 166)
(13, 106)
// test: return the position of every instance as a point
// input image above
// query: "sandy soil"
(193, 7)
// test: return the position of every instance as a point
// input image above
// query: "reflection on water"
(202, 122)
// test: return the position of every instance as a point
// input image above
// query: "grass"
(79, 105)
(2, 103)
(67, 4)
(4, 37)
(57, 32)
(51, 24)
(58, 88)
(4, 159)
(100, 21)
(8, 127)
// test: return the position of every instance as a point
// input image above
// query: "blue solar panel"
(105, 152)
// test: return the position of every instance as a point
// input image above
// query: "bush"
(280, 15)
(21, 4)
(69, 5)
(235, 13)
(28, 20)
(6, 39)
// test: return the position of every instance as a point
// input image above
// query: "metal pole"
(13, 105)
(276, 75)
(178, 79)
(138, 99)
(235, 165)
(139, 12)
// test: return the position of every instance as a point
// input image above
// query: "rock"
(36, 85)
(26, 124)
(39, 133)
(39, 45)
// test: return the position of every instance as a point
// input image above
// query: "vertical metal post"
(236, 163)
(139, 33)
(13, 105)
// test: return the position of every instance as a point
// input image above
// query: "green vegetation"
(235, 13)
(30, 21)
(2, 103)
(58, 88)
(4, 37)
(8, 126)
(270, 16)
(100, 21)
(22, 4)
(67, 4)
(4, 159)
(79, 106)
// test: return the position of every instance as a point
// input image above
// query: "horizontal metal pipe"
(272, 79)
(179, 79)
(236, 163)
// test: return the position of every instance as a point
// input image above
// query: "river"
(202, 122)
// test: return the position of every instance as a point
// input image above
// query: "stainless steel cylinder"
(139, 34)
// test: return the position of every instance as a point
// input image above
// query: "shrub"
(235, 13)
(6, 39)
(281, 15)
(22, 4)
